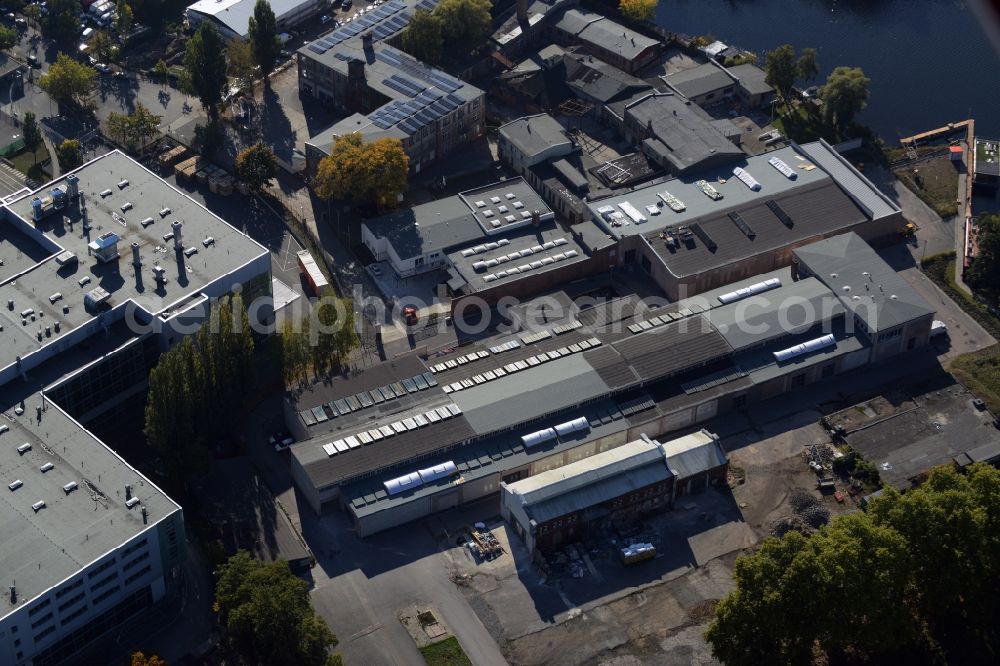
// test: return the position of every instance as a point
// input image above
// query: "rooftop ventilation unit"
(70, 487)
(208, 241)
(437, 472)
(46, 467)
(191, 251)
(95, 298)
(105, 248)
(403, 483)
(127, 206)
(38, 506)
(148, 221)
(538, 437)
(806, 347)
(17, 483)
(747, 179)
(85, 280)
(756, 288)
(130, 503)
(106, 193)
(787, 171)
(569, 427)
(24, 448)
(66, 258)
(123, 183)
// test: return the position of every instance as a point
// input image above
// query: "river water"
(929, 61)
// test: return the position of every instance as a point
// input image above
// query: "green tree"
(373, 172)
(845, 93)
(31, 133)
(807, 67)
(984, 272)
(465, 22)
(205, 62)
(638, 10)
(241, 64)
(70, 154)
(8, 37)
(263, 38)
(423, 38)
(196, 389)
(914, 579)
(295, 353)
(333, 335)
(265, 613)
(125, 19)
(103, 47)
(68, 80)
(780, 70)
(62, 24)
(117, 127)
(256, 166)
(143, 125)
(162, 72)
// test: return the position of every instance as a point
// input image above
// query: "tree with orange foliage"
(372, 172)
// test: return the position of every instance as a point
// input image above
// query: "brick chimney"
(355, 101)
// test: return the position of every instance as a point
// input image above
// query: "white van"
(87, 32)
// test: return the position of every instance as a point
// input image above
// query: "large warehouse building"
(699, 232)
(232, 17)
(102, 270)
(416, 435)
(568, 503)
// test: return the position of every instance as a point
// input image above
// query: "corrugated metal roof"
(866, 195)
(694, 454)
(591, 481)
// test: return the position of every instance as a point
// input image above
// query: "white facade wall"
(83, 596)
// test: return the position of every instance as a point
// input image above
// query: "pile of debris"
(808, 508)
(484, 544)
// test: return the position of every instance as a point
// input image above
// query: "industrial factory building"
(102, 270)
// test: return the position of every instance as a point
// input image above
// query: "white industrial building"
(232, 17)
(100, 272)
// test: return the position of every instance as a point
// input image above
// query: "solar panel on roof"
(320, 414)
(410, 386)
(391, 82)
(420, 382)
(455, 99)
(341, 56)
(381, 32)
(364, 438)
(386, 431)
(426, 118)
(454, 409)
(343, 407)
(365, 399)
(443, 82)
(376, 396)
(315, 48)
(409, 126)
(447, 103)
(387, 55)
(382, 123)
(353, 402)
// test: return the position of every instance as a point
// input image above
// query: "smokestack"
(136, 261)
(145, 516)
(13, 594)
(178, 239)
(128, 492)
(367, 41)
(522, 11)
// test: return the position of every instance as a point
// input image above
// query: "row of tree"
(133, 129)
(196, 389)
(844, 94)
(454, 22)
(319, 342)
(914, 579)
(209, 62)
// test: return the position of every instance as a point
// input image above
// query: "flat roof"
(118, 194)
(533, 135)
(41, 548)
(700, 80)
(545, 247)
(864, 283)
(736, 195)
(418, 94)
(460, 219)
(752, 78)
